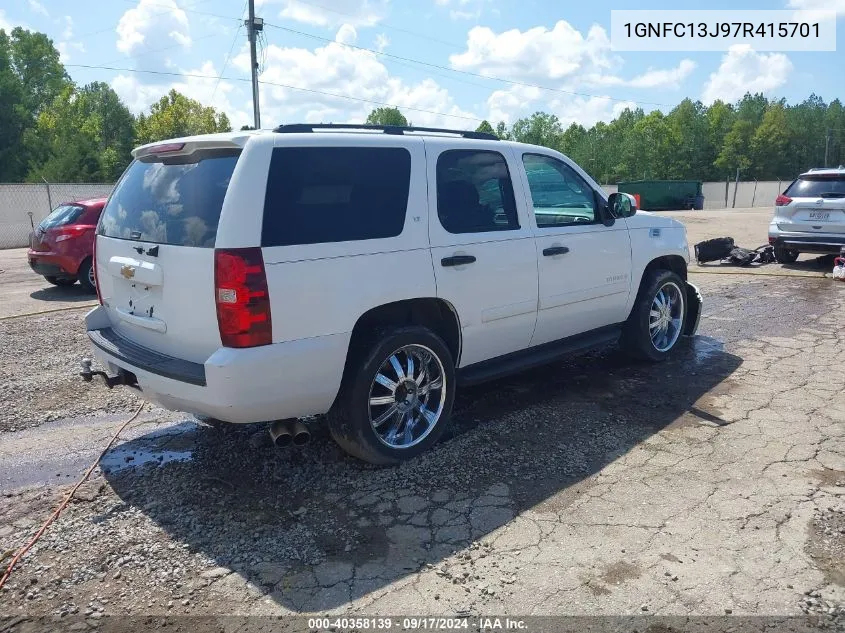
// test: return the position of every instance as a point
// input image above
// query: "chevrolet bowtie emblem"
(127, 271)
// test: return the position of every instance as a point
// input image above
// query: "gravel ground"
(713, 484)
(39, 373)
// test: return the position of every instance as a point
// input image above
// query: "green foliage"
(175, 115)
(85, 135)
(764, 139)
(485, 127)
(387, 116)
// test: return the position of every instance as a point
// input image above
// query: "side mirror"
(621, 205)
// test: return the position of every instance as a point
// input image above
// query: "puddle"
(173, 444)
(120, 459)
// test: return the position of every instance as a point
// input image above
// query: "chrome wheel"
(407, 396)
(666, 318)
(91, 279)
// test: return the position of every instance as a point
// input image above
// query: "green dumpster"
(658, 195)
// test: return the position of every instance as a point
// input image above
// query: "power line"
(276, 84)
(426, 64)
(462, 72)
(229, 54)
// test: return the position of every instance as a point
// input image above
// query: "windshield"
(61, 215)
(174, 202)
(827, 186)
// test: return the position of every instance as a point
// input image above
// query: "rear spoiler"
(186, 147)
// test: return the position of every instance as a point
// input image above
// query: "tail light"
(243, 301)
(96, 279)
(782, 200)
(62, 233)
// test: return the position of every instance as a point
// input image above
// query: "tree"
(541, 128)
(175, 115)
(771, 144)
(31, 76)
(502, 131)
(387, 116)
(736, 151)
(86, 136)
(485, 127)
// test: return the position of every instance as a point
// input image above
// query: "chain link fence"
(18, 201)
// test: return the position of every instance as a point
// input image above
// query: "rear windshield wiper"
(832, 194)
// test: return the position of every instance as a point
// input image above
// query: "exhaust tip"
(301, 439)
(281, 435)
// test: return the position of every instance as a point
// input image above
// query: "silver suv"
(810, 215)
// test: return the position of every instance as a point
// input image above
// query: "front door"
(584, 266)
(482, 247)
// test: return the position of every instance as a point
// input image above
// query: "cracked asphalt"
(713, 484)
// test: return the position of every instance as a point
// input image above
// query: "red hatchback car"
(62, 247)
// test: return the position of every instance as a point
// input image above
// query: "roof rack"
(298, 128)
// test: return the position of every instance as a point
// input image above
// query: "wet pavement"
(709, 484)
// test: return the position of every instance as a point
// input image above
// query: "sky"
(446, 63)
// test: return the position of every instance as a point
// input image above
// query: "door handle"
(555, 250)
(457, 260)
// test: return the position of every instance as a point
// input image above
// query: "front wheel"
(396, 397)
(657, 319)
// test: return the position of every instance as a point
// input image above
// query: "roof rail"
(297, 128)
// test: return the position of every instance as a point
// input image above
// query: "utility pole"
(253, 25)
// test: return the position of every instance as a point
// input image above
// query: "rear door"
(482, 248)
(155, 250)
(818, 204)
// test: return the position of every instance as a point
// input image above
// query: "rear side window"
(474, 192)
(335, 194)
(172, 202)
(828, 186)
(62, 215)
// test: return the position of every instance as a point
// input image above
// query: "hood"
(649, 220)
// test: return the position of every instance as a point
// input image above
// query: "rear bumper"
(284, 380)
(808, 242)
(52, 264)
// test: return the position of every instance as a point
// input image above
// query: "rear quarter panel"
(323, 289)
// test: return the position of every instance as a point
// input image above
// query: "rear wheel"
(86, 276)
(657, 319)
(785, 255)
(396, 397)
(60, 281)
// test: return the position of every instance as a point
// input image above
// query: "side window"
(559, 195)
(335, 194)
(474, 192)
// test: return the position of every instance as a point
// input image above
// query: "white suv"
(364, 272)
(810, 215)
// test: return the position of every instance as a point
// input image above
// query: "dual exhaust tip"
(289, 433)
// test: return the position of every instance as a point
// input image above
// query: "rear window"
(171, 202)
(828, 186)
(335, 194)
(62, 215)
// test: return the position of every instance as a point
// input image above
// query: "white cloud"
(138, 95)
(65, 49)
(519, 101)
(665, 79)
(37, 7)
(382, 42)
(4, 23)
(464, 9)
(743, 70)
(150, 26)
(336, 12)
(344, 72)
(538, 54)
(346, 34)
(68, 32)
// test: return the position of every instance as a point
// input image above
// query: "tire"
(637, 340)
(86, 276)
(785, 255)
(350, 422)
(60, 281)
